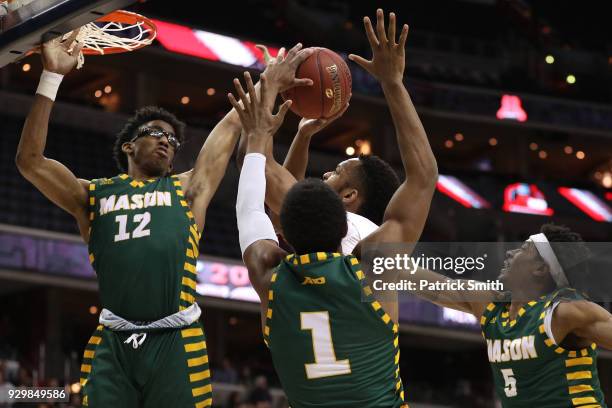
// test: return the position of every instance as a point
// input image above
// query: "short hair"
(313, 217)
(140, 117)
(379, 182)
(571, 251)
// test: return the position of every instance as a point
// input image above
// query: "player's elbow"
(27, 162)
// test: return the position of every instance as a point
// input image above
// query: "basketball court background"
(515, 97)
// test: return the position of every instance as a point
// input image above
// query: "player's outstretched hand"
(388, 55)
(309, 127)
(258, 121)
(61, 56)
(280, 71)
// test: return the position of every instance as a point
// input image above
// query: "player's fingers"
(392, 28)
(293, 51)
(236, 106)
(250, 88)
(265, 52)
(362, 62)
(263, 87)
(282, 110)
(370, 32)
(67, 43)
(280, 56)
(380, 26)
(241, 93)
(77, 48)
(301, 56)
(302, 82)
(403, 36)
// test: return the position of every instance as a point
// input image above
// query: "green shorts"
(167, 368)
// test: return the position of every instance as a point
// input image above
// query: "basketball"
(331, 87)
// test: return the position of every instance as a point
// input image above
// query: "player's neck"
(521, 296)
(139, 175)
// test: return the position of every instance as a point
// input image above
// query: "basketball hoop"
(117, 32)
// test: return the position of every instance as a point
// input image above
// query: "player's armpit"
(260, 257)
(586, 320)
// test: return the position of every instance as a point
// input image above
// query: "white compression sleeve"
(253, 222)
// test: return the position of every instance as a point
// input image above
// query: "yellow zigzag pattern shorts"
(167, 368)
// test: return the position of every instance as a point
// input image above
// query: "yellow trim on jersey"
(89, 354)
(197, 331)
(197, 361)
(201, 390)
(203, 404)
(202, 375)
(575, 389)
(189, 282)
(579, 375)
(578, 361)
(583, 400)
(191, 347)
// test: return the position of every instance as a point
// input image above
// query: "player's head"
(526, 267)
(149, 140)
(313, 217)
(365, 185)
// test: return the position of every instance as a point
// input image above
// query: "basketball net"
(97, 39)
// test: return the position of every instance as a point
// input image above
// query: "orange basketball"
(331, 87)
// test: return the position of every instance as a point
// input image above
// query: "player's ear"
(349, 196)
(127, 148)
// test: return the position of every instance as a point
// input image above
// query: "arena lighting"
(525, 198)
(204, 44)
(549, 59)
(588, 203)
(210, 91)
(571, 79)
(542, 154)
(493, 141)
(533, 146)
(108, 89)
(455, 189)
(568, 149)
(98, 93)
(26, 67)
(580, 155)
(75, 388)
(185, 100)
(448, 144)
(459, 137)
(350, 151)
(511, 108)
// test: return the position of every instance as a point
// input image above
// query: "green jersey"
(143, 245)
(529, 369)
(331, 342)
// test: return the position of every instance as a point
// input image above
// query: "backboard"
(24, 28)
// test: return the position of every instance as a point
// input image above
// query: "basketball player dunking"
(333, 344)
(142, 228)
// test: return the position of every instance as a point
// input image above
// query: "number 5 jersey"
(529, 368)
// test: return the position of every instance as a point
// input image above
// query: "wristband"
(49, 84)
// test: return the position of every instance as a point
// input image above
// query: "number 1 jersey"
(331, 342)
(143, 245)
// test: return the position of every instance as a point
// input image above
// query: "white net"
(99, 36)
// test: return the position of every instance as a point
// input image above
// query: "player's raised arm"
(296, 160)
(407, 211)
(258, 241)
(52, 178)
(586, 320)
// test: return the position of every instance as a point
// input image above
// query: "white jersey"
(358, 228)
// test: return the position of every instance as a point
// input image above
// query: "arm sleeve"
(253, 222)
